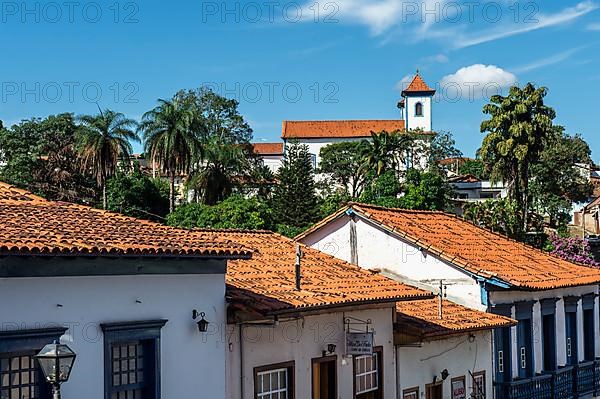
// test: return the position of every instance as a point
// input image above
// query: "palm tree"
(170, 139)
(102, 140)
(386, 151)
(221, 167)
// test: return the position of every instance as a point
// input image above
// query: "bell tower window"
(418, 109)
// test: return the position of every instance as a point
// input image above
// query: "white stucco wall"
(459, 355)
(301, 341)
(315, 145)
(273, 162)
(378, 249)
(419, 122)
(190, 362)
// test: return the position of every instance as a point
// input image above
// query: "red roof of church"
(338, 129)
(417, 85)
(268, 148)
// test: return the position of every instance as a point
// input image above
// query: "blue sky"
(340, 59)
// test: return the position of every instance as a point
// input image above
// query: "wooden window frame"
(461, 378)
(434, 384)
(473, 384)
(115, 333)
(409, 391)
(291, 368)
(379, 351)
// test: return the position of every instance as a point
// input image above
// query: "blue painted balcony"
(570, 382)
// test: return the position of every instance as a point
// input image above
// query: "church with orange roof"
(415, 107)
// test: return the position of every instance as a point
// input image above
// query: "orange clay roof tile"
(9, 192)
(268, 148)
(417, 85)
(30, 225)
(338, 129)
(422, 318)
(267, 282)
(475, 249)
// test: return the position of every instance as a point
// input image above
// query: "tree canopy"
(38, 155)
(295, 202)
(236, 212)
(519, 128)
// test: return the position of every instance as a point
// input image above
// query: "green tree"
(387, 151)
(342, 162)
(519, 128)
(558, 180)
(426, 191)
(382, 190)
(138, 195)
(501, 216)
(216, 116)
(38, 154)
(102, 141)
(170, 139)
(223, 166)
(236, 212)
(473, 167)
(295, 202)
(441, 146)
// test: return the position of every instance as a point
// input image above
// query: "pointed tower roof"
(417, 86)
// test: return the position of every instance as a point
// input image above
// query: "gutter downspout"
(241, 362)
(396, 360)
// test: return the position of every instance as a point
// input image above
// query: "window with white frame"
(366, 374)
(274, 382)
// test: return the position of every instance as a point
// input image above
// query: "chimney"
(441, 295)
(298, 271)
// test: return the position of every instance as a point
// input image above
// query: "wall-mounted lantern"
(202, 323)
(56, 361)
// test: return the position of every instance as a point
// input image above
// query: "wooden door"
(324, 378)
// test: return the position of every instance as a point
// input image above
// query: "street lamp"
(56, 361)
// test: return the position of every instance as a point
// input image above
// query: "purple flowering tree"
(573, 249)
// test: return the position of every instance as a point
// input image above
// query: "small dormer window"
(418, 109)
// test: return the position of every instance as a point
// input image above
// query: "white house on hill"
(289, 326)
(120, 292)
(552, 351)
(415, 111)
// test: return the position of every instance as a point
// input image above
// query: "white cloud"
(379, 16)
(439, 58)
(544, 62)
(440, 20)
(475, 82)
(538, 21)
(404, 82)
(594, 26)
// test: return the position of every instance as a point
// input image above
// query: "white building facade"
(553, 348)
(124, 294)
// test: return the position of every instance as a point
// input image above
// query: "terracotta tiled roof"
(266, 283)
(417, 85)
(421, 318)
(338, 129)
(464, 179)
(9, 192)
(456, 160)
(30, 225)
(475, 249)
(268, 148)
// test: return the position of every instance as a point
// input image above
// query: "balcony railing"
(571, 382)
